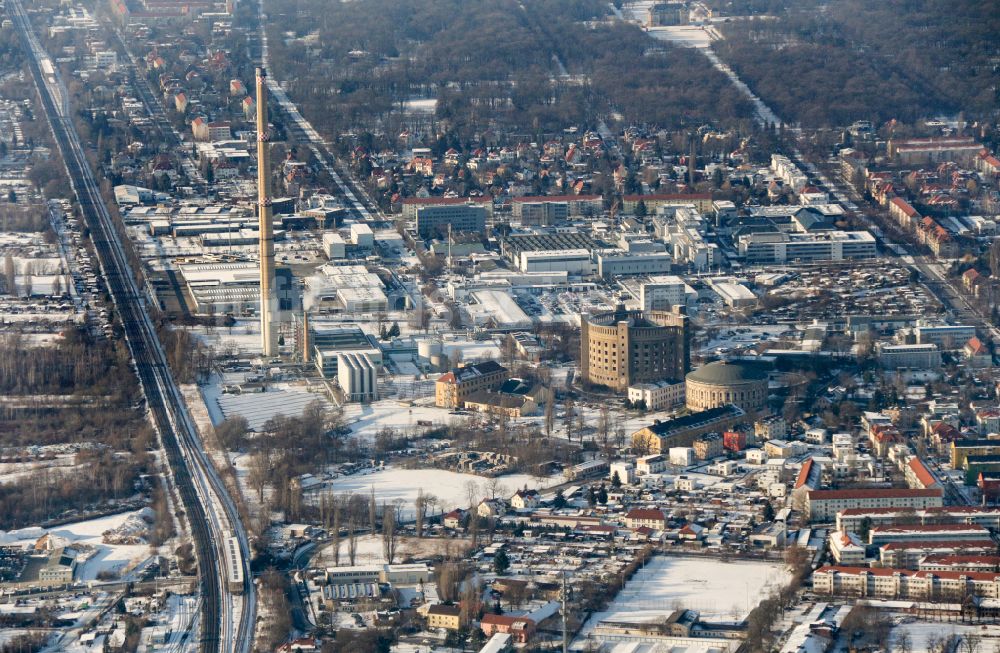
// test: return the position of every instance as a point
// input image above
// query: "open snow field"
(720, 591)
(394, 483)
(365, 420)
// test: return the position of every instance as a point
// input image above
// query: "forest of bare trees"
(371, 58)
(80, 390)
(833, 63)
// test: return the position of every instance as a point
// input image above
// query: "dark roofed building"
(454, 387)
(512, 246)
(682, 431)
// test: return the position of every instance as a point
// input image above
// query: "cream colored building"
(721, 383)
(448, 617)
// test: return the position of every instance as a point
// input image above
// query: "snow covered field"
(720, 591)
(449, 487)
(365, 420)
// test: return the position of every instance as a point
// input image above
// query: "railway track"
(210, 510)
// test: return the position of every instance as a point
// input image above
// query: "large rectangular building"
(780, 247)
(662, 293)
(515, 244)
(328, 343)
(892, 583)
(927, 533)
(619, 263)
(549, 209)
(412, 204)
(851, 520)
(571, 261)
(914, 357)
(909, 554)
(703, 201)
(683, 431)
(435, 220)
(962, 149)
(823, 505)
(946, 336)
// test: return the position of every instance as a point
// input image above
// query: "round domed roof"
(725, 373)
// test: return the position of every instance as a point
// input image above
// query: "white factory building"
(622, 263)
(779, 247)
(661, 292)
(347, 288)
(733, 293)
(498, 309)
(222, 288)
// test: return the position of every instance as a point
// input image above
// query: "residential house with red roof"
(519, 628)
(918, 476)
(976, 353)
(646, 517)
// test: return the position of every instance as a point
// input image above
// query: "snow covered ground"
(369, 550)
(421, 105)
(10, 472)
(720, 591)
(287, 398)
(918, 633)
(116, 558)
(394, 483)
(365, 420)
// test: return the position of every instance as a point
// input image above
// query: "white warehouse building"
(571, 261)
(657, 396)
(620, 263)
(660, 293)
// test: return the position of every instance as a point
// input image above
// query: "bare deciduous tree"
(390, 537)
(336, 508)
(352, 540)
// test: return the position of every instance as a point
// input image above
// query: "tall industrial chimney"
(306, 345)
(268, 294)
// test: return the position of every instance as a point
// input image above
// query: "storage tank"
(427, 349)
